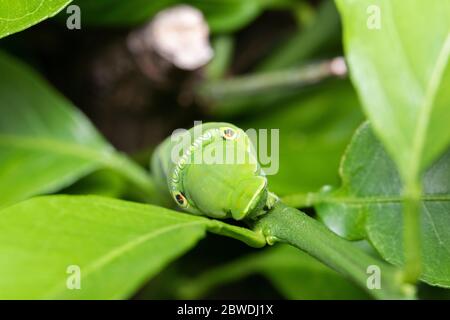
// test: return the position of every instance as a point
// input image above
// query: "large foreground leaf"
(117, 245)
(398, 53)
(45, 142)
(369, 205)
(18, 15)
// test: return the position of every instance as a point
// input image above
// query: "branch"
(285, 224)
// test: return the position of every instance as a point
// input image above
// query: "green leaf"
(222, 15)
(106, 183)
(45, 142)
(402, 74)
(369, 205)
(118, 12)
(398, 56)
(223, 46)
(315, 127)
(228, 15)
(294, 273)
(323, 32)
(117, 245)
(18, 15)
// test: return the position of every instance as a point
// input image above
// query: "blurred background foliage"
(249, 37)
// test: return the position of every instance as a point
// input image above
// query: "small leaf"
(398, 55)
(117, 245)
(45, 142)
(369, 205)
(18, 15)
(228, 15)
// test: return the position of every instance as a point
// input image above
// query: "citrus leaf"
(115, 245)
(45, 142)
(369, 205)
(19, 15)
(402, 76)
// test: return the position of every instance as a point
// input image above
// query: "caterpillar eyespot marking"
(180, 199)
(228, 133)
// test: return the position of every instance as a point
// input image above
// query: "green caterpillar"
(235, 188)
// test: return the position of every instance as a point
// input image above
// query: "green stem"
(256, 84)
(411, 216)
(411, 233)
(250, 237)
(286, 224)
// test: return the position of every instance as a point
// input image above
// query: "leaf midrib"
(383, 199)
(38, 7)
(58, 146)
(427, 107)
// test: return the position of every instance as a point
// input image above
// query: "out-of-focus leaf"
(324, 31)
(228, 15)
(222, 15)
(223, 47)
(18, 15)
(398, 54)
(45, 143)
(294, 273)
(369, 205)
(115, 245)
(105, 183)
(315, 127)
(118, 12)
